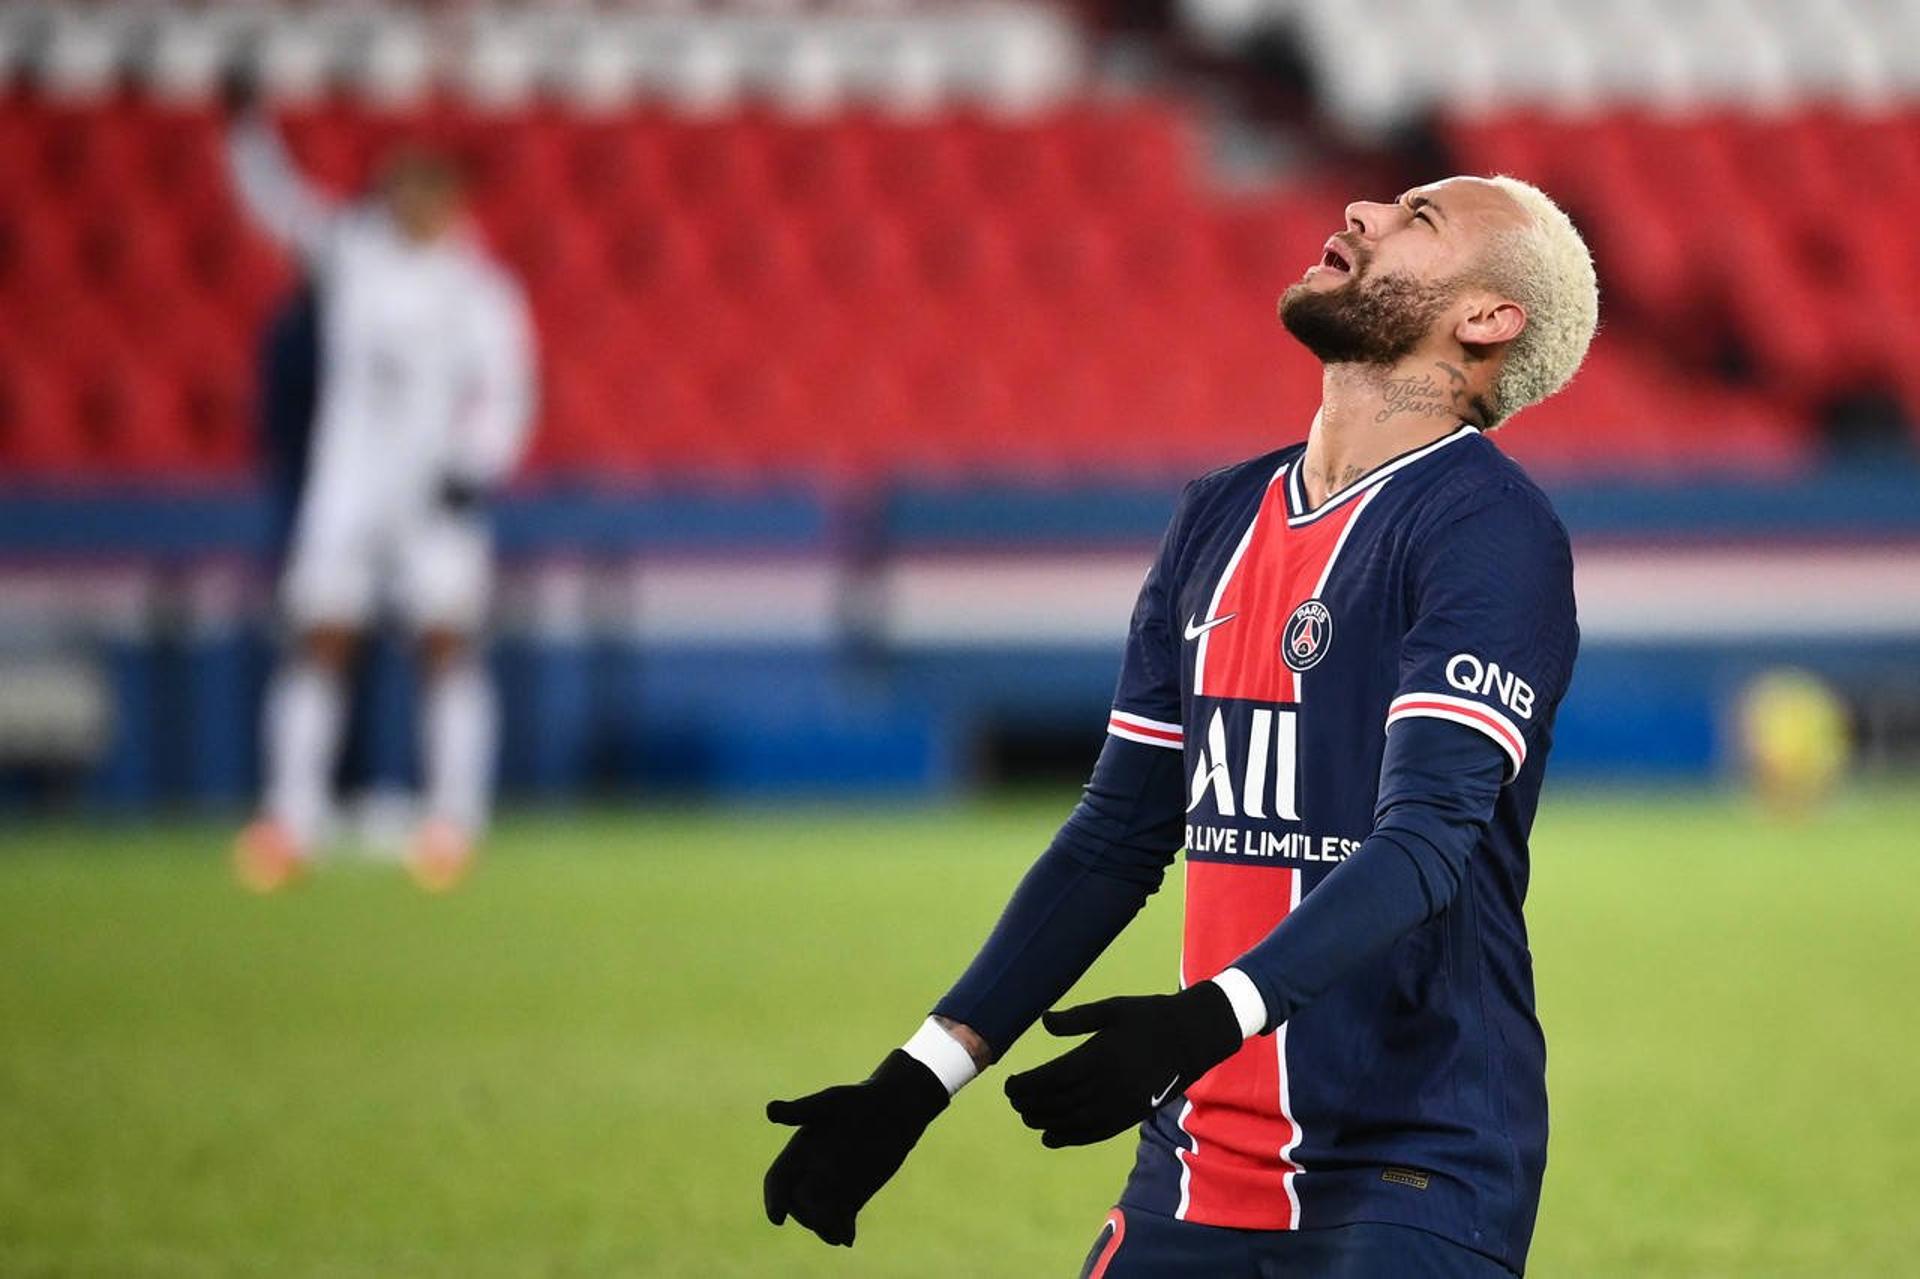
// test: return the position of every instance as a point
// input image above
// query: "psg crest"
(1309, 632)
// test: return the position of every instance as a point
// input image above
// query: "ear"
(1491, 320)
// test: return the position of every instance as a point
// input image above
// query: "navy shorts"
(1137, 1245)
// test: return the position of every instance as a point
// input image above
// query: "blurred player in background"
(1338, 695)
(425, 396)
(1795, 740)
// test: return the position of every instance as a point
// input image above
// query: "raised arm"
(284, 203)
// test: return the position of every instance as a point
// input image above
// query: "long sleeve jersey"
(1343, 714)
(427, 359)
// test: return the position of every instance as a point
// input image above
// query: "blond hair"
(1546, 268)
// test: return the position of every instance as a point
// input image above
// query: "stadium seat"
(856, 294)
(38, 438)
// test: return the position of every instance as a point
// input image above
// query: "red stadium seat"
(758, 258)
(722, 168)
(1023, 170)
(213, 400)
(128, 415)
(330, 151)
(860, 257)
(1133, 159)
(858, 295)
(653, 257)
(965, 256)
(617, 167)
(820, 169)
(38, 431)
(1060, 260)
(920, 170)
(1511, 142)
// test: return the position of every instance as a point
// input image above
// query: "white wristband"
(1249, 1007)
(941, 1053)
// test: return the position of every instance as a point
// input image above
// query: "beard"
(1364, 321)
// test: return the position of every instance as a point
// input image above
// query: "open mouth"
(1336, 256)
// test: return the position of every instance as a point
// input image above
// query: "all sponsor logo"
(1257, 777)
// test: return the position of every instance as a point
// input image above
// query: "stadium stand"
(1742, 167)
(859, 241)
(877, 334)
(1378, 63)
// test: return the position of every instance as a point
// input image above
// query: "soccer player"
(424, 402)
(1338, 695)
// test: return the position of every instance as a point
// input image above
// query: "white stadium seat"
(85, 50)
(188, 54)
(295, 58)
(805, 55)
(1382, 61)
(1378, 62)
(600, 65)
(396, 66)
(501, 63)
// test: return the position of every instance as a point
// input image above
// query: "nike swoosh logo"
(1195, 631)
(1166, 1092)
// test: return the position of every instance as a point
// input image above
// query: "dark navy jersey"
(1276, 647)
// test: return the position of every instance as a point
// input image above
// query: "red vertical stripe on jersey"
(1279, 571)
(1235, 1175)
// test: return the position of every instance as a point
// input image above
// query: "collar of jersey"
(1296, 496)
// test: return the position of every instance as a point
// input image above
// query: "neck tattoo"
(1330, 484)
(1422, 395)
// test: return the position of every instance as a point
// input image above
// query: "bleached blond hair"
(1543, 265)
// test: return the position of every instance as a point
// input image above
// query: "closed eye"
(1419, 208)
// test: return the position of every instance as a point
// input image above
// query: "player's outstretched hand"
(1145, 1049)
(851, 1140)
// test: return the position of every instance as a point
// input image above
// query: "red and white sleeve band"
(941, 1053)
(1149, 732)
(1475, 715)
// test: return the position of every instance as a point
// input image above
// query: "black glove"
(1145, 1048)
(462, 497)
(851, 1139)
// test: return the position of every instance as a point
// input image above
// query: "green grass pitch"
(559, 1071)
